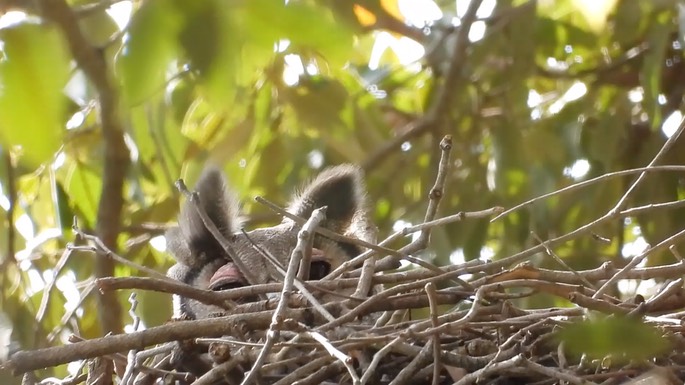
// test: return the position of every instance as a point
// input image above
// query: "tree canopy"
(105, 104)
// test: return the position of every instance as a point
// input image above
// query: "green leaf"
(98, 27)
(303, 24)
(150, 47)
(64, 216)
(33, 74)
(607, 336)
(659, 36)
(212, 43)
(318, 101)
(83, 185)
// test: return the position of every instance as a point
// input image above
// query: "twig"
(405, 374)
(433, 302)
(101, 249)
(409, 230)
(652, 207)
(675, 252)
(472, 377)
(47, 291)
(378, 357)
(590, 303)
(589, 182)
(273, 333)
(636, 260)
(453, 218)
(298, 284)
(434, 198)
(317, 363)
(444, 97)
(132, 362)
(306, 261)
(321, 374)
(324, 231)
(670, 289)
(340, 356)
(216, 298)
(24, 361)
(214, 375)
(168, 286)
(662, 152)
(12, 201)
(558, 374)
(561, 261)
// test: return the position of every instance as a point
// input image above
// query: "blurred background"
(104, 104)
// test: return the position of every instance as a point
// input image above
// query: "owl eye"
(318, 270)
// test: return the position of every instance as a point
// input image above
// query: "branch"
(444, 95)
(660, 155)
(303, 239)
(589, 182)
(24, 361)
(116, 154)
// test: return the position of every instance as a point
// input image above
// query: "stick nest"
(464, 324)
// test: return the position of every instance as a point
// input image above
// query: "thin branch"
(589, 182)
(12, 202)
(273, 333)
(378, 357)
(560, 261)
(324, 231)
(434, 312)
(102, 250)
(47, 291)
(666, 243)
(419, 360)
(444, 97)
(337, 354)
(168, 286)
(657, 158)
(434, 198)
(300, 285)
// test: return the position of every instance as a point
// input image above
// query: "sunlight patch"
(578, 170)
(672, 123)
(158, 243)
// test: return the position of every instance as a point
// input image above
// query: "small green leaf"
(618, 336)
(150, 47)
(64, 216)
(83, 185)
(33, 73)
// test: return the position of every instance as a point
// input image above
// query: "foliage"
(607, 336)
(272, 91)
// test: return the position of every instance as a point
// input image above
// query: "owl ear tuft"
(191, 240)
(340, 188)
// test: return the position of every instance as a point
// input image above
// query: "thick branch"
(116, 155)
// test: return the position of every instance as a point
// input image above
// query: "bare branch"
(116, 154)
